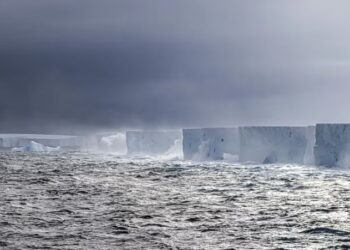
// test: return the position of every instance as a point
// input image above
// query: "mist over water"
(94, 201)
(114, 143)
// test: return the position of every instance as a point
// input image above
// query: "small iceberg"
(35, 147)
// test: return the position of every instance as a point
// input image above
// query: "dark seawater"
(82, 201)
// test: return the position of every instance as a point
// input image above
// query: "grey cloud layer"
(117, 64)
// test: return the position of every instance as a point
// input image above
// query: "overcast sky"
(67, 65)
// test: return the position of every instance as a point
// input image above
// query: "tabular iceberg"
(276, 144)
(210, 143)
(33, 146)
(332, 147)
(151, 143)
(8, 141)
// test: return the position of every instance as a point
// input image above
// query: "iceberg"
(332, 147)
(106, 142)
(151, 143)
(33, 146)
(210, 143)
(276, 144)
(8, 141)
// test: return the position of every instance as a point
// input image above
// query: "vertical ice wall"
(332, 145)
(210, 143)
(276, 144)
(151, 142)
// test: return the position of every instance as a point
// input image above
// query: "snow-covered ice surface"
(276, 144)
(332, 145)
(85, 201)
(151, 143)
(210, 143)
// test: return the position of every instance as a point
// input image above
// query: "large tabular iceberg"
(33, 146)
(210, 143)
(151, 143)
(276, 144)
(332, 147)
(94, 142)
(8, 141)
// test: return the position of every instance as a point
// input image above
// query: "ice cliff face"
(276, 144)
(151, 142)
(210, 143)
(332, 147)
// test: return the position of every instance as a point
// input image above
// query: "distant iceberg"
(8, 141)
(35, 147)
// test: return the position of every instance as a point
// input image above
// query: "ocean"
(105, 201)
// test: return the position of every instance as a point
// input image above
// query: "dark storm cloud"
(117, 64)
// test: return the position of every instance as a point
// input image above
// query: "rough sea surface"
(87, 201)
